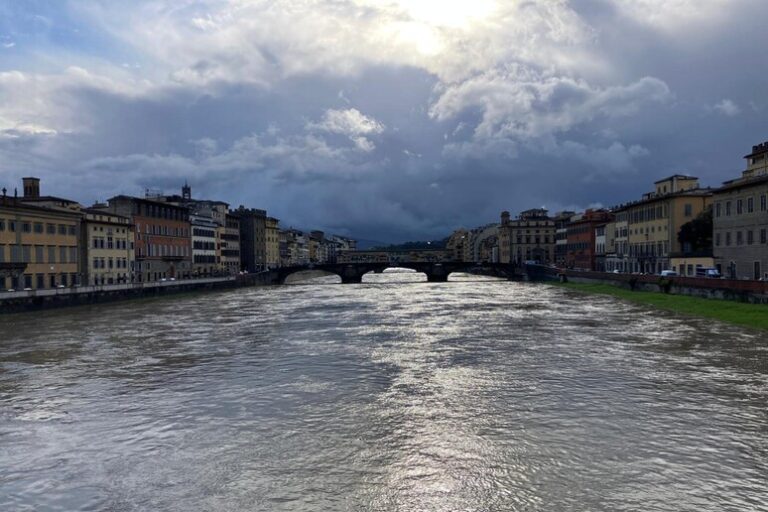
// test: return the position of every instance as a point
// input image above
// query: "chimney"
(31, 187)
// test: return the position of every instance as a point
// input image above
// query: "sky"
(385, 120)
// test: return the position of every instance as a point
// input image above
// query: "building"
(600, 247)
(39, 245)
(458, 245)
(580, 234)
(561, 220)
(505, 246)
(107, 247)
(654, 222)
(230, 246)
(253, 237)
(532, 237)
(162, 237)
(617, 243)
(206, 252)
(484, 244)
(272, 242)
(740, 220)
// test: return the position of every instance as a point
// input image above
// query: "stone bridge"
(437, 272)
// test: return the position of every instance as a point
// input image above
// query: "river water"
(393, 395)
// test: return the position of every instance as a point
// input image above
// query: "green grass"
(738, 313)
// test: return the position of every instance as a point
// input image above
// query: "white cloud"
(352, 123)
(727, 108)
(521, 103)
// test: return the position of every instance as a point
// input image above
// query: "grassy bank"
(738, 313)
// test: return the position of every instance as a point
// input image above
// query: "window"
(739, 238)
(750, 237)
(2, 254)
(39, 229)
(717, 239)
(2, 225)
(73, 254)
(39, 250)
(739, 207)
(62, 254)
(26, 227)
(717, 209)
(763, 202)
(727, 208)
(688, 210)
(71, 230)
(728, 238)
(750, 205)
(26, 253)
(51, 254)
(50, 229)
(762, 236)
(62, 229)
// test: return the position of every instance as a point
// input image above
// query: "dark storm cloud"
(317, 120)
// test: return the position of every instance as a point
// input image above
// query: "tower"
(31, 187)
(186, 192)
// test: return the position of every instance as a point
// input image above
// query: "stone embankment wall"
(743, 291)
(34, 300)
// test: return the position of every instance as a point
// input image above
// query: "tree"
(696, 235)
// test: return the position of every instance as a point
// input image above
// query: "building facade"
(561, 221)
(206, 252)
(162, 237)
(230, 246)
(272, 242)
(740, 220)
(532, 237)
(253, 247)
(653, 223)
(39, 246)
(107, 248)
(581, 230)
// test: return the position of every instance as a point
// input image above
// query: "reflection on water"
(396, 394)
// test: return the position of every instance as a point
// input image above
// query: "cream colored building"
(107, 248)
(230, 245)
(39, 245)
(654, 222)
(272, 240)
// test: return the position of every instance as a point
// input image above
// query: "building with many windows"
(205, 245)
(253, 236)
(654, 222)
(230, 246)
(581, 233)
(531, 237)
(106, 247)
(272, 242)
(740, 220)
(39, 245)
(162, 237)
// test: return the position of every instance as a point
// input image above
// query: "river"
(393, 395)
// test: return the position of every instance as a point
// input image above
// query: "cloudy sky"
(381, 119)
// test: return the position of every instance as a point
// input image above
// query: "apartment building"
(653, 223)
(230, 246)
(581, 231)
(162, 237)
(740, 220)
(107, 247)
(39, 245)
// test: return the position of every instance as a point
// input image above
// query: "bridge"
(437, 272)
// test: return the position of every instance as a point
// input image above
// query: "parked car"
(710, 272)
(668, 273)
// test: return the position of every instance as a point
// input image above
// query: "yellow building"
(272, 239)
(107, 248)
(39, 246)
(654, 222)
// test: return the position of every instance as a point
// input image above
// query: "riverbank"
(36, 300)
(737, 313)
